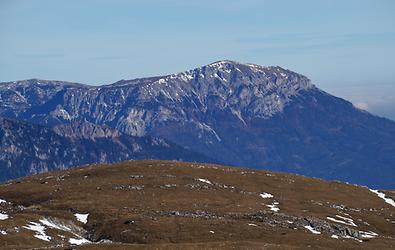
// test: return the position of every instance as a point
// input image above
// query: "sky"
(346, 48)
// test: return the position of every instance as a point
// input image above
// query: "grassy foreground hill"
(177, 205)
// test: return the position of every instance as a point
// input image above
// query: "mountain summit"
(247, 89)
(238, 114)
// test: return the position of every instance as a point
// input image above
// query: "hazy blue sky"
(346, 47)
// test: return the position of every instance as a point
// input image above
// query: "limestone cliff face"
(27, 149)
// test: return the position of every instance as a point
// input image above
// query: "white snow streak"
(384, 197)
(368, 235)
(345, 221)
(58, 226)
(205, 181)
(311, 229)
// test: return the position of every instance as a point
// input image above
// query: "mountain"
(176, 205)
(239, 114)
(28, 149)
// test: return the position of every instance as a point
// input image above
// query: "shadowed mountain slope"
(28, 149)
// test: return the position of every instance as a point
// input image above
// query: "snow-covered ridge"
(246, 91)
(243, 88)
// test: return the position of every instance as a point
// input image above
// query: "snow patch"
(3, 216)
(78, 242)
(266, 195)
(82, 217)
(274, 206)
(66, 228)
(39, 230)
(384, 197)
(40, 227)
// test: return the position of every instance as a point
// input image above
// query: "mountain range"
(228, 112)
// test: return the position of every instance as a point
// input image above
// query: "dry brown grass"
(147, 218)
